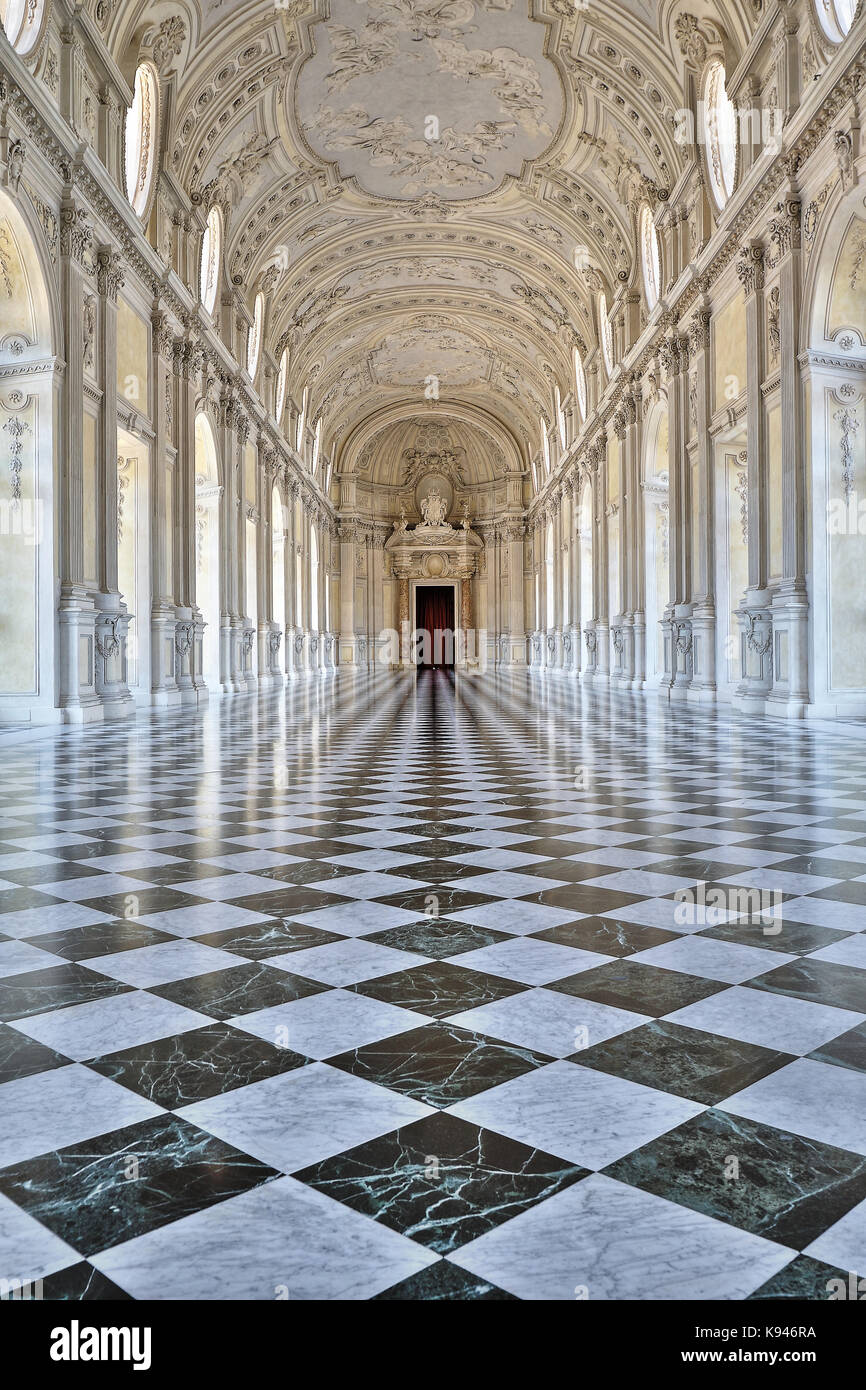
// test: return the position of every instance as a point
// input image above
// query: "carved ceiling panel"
(426, 188)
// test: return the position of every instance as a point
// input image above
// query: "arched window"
(580, 384)
(317, 444)
(605, 333)
(545, 445)
(302, 422)
(207, 545)
(836, 17)
(22, 22)
(720, 121)
(211, 254)
(560, 417)
(314, 580)
(650, 259)
(254, 339)
(140, 137)
(549, 592)
(282, 382)
(278, 559)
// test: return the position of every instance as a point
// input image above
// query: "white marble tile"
(769, 1020)
(844, 1244)
(779, 881)
(28, 1250)
(55, 1108)
(37, 921)
(230, 886)
(19, 958)
(369, 885)
(168, 960)
(370, 860)
(302, 1116)
(728, 961)
(109, 1025)
(549, 1022)
(850, 950)
(600, 1240)
(92, 886)
(324, 1025)
(252, 860)
(498, 858)
(616, 857)
(357, 918)
(280, 1241)
(579, 1114)
(810, 1098)
(824, 912)
(346, 962)
(530, 961)
(517, 916)
(201, 919)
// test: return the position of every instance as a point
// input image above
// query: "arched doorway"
(208, 493)
(314, 580)
(29, 341)
(549, 580)
(834, 359)
(587, 602)
(656, 539)
(278, 577)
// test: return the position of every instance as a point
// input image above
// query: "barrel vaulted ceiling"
(388, 257)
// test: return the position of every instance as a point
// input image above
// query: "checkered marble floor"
(378, 988)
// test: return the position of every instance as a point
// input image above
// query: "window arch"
(650, 256)
(22, 23)
(282, 383)
(836, 17)
(317, 444)
(211, 255)
(254, 338)
(560, 414)
(314, 580)
(720, 123)
(302, 422)
(140, 138)
(580, 383)
(604, 333)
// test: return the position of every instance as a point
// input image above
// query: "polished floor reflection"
(433, 988)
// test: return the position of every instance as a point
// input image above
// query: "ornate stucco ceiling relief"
(425, 358)
(429, 193)
(429, 96)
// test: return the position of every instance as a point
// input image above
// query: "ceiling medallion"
(428, 100)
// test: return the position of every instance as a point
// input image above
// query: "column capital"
(750, 267)
(785, 227)
(109, 272)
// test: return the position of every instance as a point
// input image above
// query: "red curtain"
(434, 614)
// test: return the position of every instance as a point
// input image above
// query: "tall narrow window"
(560, 416)
(140, 138)
(650, 259)
(282, 382)
(605, 333)
(302, 422)
(254, 341)
(545, 446)
(317, 444)
(211, 253)
(720, 121)
(580, 383)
